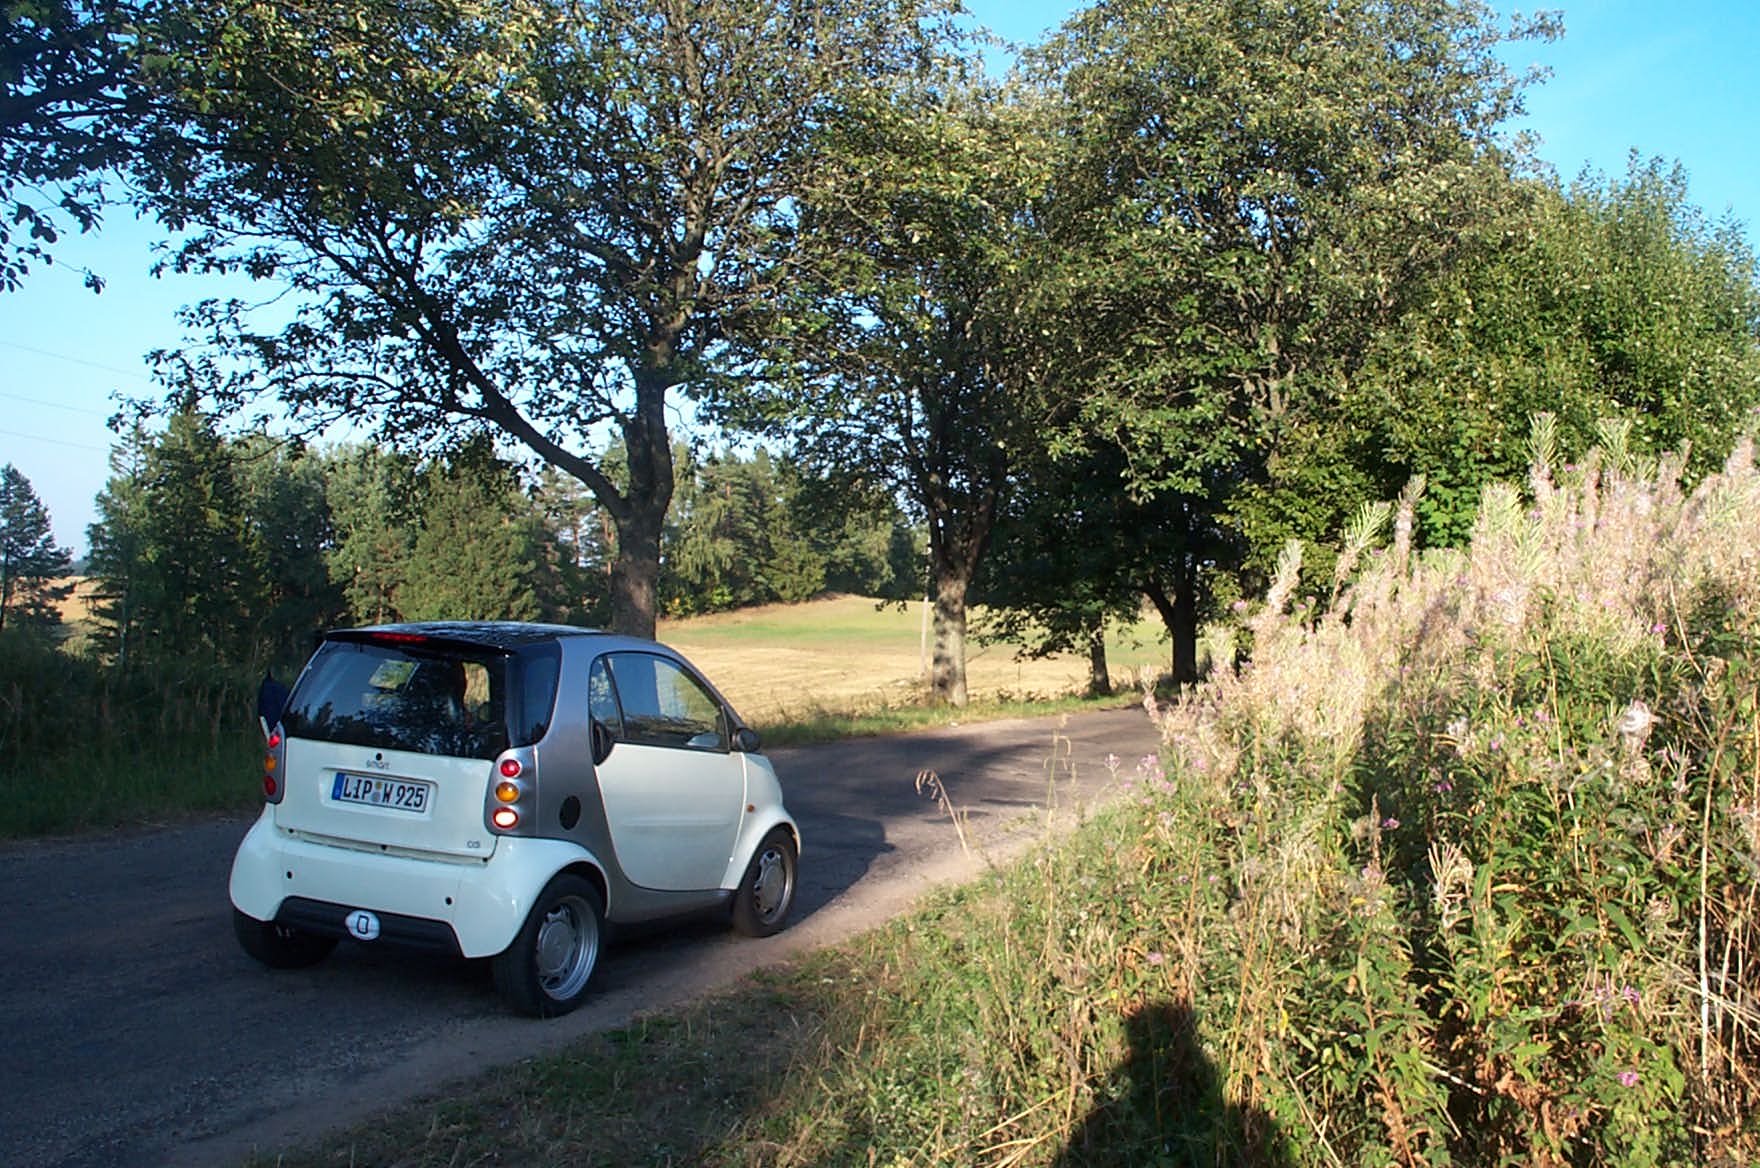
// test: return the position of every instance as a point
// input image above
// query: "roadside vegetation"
(1461, 867)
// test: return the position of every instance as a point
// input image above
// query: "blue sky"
(1672, 80)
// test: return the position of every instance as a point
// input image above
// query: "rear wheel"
(545, 971)
(278, 946)
(766, 892)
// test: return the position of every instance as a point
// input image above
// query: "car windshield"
(430, 698)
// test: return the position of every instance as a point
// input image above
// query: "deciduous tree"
(1246, 192)
(914, 366)
(1605, 299)
(540, 218)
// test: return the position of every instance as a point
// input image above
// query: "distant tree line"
(210, 549)
(1197, 277)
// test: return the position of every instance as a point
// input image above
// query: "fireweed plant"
(1487, 835)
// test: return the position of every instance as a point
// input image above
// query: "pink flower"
(1157, 958)
(1628, 1078)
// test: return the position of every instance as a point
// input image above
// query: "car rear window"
(430, 698)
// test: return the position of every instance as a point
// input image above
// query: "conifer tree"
(30, 560)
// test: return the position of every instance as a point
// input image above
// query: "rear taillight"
(273, 787)
(510, 802)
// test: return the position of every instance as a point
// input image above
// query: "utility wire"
(37, 401)
(54, 441)
(133, 373)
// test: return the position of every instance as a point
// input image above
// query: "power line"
(134, 373)
(37, 401)
(54, 441)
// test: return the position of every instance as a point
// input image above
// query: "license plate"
(397, 794)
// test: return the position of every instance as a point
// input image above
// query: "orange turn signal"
(507, 791)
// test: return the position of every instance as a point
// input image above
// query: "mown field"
(778, 663)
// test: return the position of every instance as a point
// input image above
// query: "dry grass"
(78, 605)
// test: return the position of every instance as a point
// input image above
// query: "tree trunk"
(635, 579)
(635, 574)
(1179, 612)
(1099, 677)
(947, 664)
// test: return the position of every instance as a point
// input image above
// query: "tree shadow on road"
(1165, 1105)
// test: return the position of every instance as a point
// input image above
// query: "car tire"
(278, 946)
(545, 971)
(766, 891)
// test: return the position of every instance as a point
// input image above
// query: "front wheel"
(278, 946)
(545, 971)
(766, 891)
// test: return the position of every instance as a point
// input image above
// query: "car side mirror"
(746, 740)
(603, 740)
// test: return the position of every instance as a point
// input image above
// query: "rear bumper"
(331, 920)
(472, 908)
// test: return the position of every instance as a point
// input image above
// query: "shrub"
(1488, 826)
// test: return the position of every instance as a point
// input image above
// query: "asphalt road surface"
(136, 1032)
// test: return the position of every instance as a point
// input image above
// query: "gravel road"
(138, 1033)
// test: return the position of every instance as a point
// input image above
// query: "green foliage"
(1236, 199)
(758, 529)
(733, 540)
(30, 560)
(473, 556)
(172, 552)
(210, 549)
(1608, 299)
(375, 507)
(911, 368)
(65, 69)
(540, 219)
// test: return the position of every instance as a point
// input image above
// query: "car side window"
(602, 698)
(663, 705)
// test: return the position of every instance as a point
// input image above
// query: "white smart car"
(503, 790)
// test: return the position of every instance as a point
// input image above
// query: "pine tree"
(30, 561)
(474, 556)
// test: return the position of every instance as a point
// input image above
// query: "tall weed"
(1491, 821)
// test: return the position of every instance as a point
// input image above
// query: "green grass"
(82, 748)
